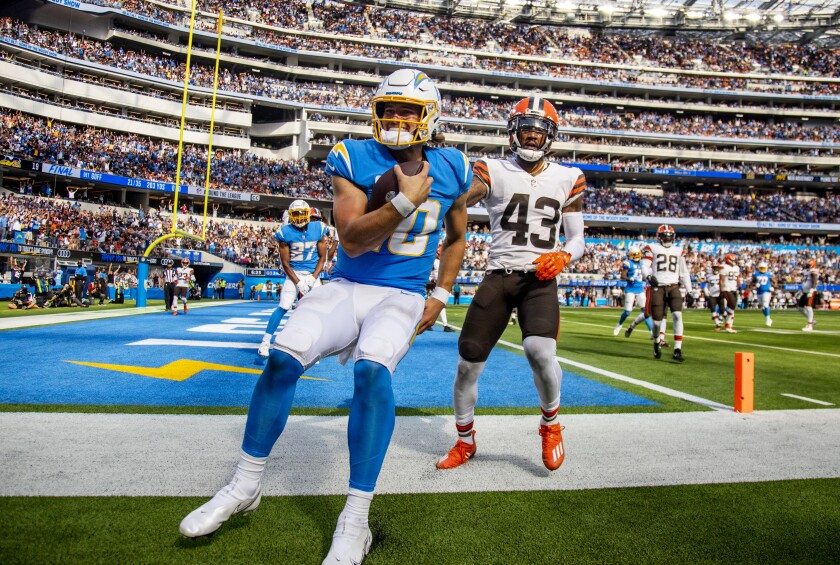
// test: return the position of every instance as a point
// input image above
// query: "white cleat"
(263, 349)
(731, 331)
(808, 327)
(350, 544)
(208, 517)
(768, 322)
(617, 329)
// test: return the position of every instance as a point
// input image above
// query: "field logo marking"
(179, 370)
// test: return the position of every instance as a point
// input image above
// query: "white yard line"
(728, 341)
(198, 343)
(806, 399)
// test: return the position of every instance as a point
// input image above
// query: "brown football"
(386, 187)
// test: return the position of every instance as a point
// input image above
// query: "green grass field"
(775, 522)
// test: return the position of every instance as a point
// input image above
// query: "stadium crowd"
(615, 47)
(67, 224)
(359, 97)
(134, 156)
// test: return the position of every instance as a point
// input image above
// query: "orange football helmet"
(666, 235)
(730, 259)
(533, 114)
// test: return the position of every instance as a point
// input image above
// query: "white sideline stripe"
(84, 316)
(198, 343)
(61, 454)
(644, 384)
(806, 399)
(690, 337)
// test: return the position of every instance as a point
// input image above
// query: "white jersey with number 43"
(525, 211)
(664, 262)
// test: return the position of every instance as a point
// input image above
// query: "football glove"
(549, 265)
(652, 280)
(305, 284)
(303, 287)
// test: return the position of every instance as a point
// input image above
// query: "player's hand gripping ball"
(386, 187)
(549, 265)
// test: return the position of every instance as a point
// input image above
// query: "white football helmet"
(407, 86)
(299, 212)
(635, 253)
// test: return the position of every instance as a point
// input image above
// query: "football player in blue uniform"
(303, 252)
(634, 292)
(373, 307)
(763, 281)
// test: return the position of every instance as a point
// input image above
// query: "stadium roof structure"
(767, 21)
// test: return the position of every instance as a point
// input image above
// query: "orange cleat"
(458, 455)
(175, 312)
(552, 446)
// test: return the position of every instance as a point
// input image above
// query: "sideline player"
(634, 292)
(730, 280)
(664, 267)
(527, 198)
(183, 277)
(712, 292)
(810, 280)
(303, 251)
(763, 281)
(430, 287)
(373, 307)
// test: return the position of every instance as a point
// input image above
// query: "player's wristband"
(403, 205)
(440, 293)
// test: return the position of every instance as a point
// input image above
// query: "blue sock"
(274, 321)
(649, 323)
(766, 312)
(271, 403)
(623, 317)
(371, 424)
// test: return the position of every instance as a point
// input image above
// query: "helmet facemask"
(299, 213)
(405, 86)
(396, 133)
(520, 124)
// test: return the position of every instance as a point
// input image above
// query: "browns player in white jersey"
(712, 293)
(663, 265)
(730, 279)
(183, 277)
(810, 279)
(528, 199)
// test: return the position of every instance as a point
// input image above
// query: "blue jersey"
(762, 281)
(303, 244)
(633, 276)
(404, 260)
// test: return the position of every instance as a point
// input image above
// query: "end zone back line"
(624, 378)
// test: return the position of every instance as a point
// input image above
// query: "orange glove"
(549, 265)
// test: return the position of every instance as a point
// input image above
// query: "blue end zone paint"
(36, 371)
